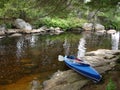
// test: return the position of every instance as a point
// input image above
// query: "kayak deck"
(84, 69)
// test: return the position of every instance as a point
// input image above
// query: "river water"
(28, 56)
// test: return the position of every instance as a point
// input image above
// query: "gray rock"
(102, 60)
(111, 31)
(15, 35)
(99, 27)
(43, 28)
(21, 24)
(66, 80)
(100, 32)
(101, 57)
(35, 84)
(36, 31)
(2, 33)
(10, 31)
(2, 30)
(2, 37)
(58, 31)
(89, 26)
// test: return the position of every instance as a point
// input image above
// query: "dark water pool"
(28, 55)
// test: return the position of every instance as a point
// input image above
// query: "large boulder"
(11, 31)
(21, 24)
(58, 31)
(89, 26)
(99, 27)
(111, 31)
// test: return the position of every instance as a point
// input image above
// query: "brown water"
(23, 58)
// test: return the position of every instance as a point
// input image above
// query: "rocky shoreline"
(23, 27)
(41, 31)
(102, 60)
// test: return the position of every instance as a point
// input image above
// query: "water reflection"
(23, 43)
(66, 47)
(115, 40)
(29, 54)
(95, 42)
(81, 49)
(33, 40)
(20, 48)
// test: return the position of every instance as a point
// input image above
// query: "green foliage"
(110, 19)
(103, 4)
(9, 25)
(67, 10)
(109, 9)
(16, 8)
(40, 8)
(62, 23)
(111, 23)
(56, 22)
(111, 85)
(53, 7)
(116, 25)
(33, 9)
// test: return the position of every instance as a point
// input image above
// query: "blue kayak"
(83, 68)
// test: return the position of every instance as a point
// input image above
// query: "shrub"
(62, 23)
(111, 85)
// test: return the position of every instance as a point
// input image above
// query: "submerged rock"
(35, 84)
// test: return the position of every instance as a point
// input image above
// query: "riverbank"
(102, 60)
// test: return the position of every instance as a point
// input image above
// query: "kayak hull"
(84, 69)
